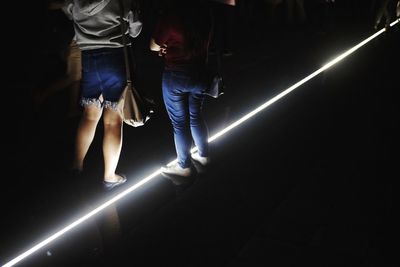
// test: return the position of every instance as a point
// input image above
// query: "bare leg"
(381, 12)
(73, 106)
(85, 134)
(74, 71)
(112, 144)
(387, 14)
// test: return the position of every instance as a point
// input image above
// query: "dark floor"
(310, 181)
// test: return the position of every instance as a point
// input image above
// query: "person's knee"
(180, 125)
(111, 117)
(92, 112)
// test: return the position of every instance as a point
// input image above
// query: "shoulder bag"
(134, 109)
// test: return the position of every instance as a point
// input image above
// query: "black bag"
(216, 86)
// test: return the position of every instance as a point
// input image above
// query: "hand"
(162, 51)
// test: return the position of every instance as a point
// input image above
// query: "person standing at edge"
(70, 80)
(97, 26)
(182, 37)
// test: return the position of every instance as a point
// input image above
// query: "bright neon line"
(294, 86)
(82, 219)
(211, 139)
(394, 22)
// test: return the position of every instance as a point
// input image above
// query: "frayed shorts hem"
(84, 102)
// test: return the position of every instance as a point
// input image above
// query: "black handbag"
(216, 85)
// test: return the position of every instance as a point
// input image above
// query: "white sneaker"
(177, 170)
(202, 160)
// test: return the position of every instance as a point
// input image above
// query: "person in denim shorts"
(182, 37)
(97, 28)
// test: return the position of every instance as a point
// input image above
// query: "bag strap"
(123, 30)
(216, 65)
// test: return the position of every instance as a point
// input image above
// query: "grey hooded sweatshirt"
(97, 23)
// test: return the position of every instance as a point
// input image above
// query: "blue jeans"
(183, 99)
(103, 73)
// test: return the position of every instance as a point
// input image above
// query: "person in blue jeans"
(182, 36)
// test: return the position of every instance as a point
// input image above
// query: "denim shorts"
(103, 73)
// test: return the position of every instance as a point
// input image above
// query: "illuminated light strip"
(394, 22)
(82, 219)
(211, 139)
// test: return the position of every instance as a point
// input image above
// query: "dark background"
(310, 181)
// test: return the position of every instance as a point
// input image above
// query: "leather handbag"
(134, 108)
